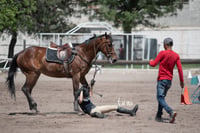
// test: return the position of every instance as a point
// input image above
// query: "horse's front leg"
(83, 81)
(76, 80)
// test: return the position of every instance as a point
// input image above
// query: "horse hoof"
(77, 110)
(34, 107)
(35, 111)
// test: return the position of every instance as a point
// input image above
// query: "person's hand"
(182, 84)
(81, 97)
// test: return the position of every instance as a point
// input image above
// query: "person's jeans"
(162, 88)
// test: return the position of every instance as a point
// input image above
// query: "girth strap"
(89, 64)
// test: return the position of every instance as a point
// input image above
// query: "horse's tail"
(11, 73)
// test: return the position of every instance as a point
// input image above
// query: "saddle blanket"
(51, 56)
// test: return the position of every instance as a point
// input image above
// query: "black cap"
(168, 41)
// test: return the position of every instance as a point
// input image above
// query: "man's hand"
(182, 84)
(81, 97)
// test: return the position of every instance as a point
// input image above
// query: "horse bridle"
(107, 45)
(108, 53)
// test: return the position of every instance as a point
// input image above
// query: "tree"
(131, 13)
(34, 16)
(53, 16)
(14, 17)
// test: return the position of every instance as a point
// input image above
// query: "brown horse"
(32, 62)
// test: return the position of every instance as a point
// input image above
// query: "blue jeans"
(162, 88)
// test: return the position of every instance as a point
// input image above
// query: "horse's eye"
(110, 45)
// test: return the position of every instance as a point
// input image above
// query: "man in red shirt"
(167, 59)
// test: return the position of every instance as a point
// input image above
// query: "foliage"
(131, 13)
(33, 16)
(36, 16)
(15, 15)
(53, 15)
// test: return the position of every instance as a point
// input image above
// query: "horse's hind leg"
(76, 80)
(31, 79)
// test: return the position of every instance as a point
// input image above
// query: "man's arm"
(180, 72)
(81, 97)
(153, 63)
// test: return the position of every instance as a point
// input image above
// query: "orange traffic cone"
(185, 99)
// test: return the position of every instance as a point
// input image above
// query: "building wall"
(186, 42)
(189, 16)
(183, 28)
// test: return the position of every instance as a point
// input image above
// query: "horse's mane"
(91, 38)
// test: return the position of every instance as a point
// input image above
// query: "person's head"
(168, 43)
(85, 90)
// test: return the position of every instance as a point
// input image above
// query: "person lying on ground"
(98, 111)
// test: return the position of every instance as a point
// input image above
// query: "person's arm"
(180, 72)
(153, 63)
(81, 97)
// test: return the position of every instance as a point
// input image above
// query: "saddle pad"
(51, 56)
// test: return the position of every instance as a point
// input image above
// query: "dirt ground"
(122, 86)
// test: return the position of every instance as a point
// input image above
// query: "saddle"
(63, 52)
(60, 54)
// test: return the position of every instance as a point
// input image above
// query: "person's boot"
(127, 111)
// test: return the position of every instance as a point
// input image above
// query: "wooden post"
(24, 45)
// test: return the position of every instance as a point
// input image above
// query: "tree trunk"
(12, 44)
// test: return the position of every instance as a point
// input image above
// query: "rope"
(92, 82)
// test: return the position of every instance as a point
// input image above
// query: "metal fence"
(136, 47)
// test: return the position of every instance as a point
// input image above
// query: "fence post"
(61, 42)
(24, 45)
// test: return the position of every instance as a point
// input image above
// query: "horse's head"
(106, 47)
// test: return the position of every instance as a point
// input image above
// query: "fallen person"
(98, 111)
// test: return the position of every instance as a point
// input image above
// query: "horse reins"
(109, 53)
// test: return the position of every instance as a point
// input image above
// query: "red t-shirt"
(167, 59)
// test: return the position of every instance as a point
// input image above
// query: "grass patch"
(185, 66)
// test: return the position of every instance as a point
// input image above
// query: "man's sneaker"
(172, 117)
(158, 119)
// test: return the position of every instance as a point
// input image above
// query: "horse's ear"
(52, 43)
(106, 35)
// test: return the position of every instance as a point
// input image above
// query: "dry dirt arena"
(120, 86)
